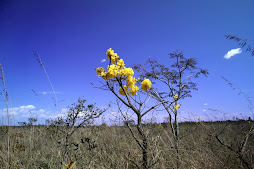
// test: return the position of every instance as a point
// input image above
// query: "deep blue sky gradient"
(72, 38)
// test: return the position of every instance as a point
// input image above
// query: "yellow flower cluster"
(177, 106)
(117, 68)
(175, 97)
(111, 55)
(101, 72)
(146, 84)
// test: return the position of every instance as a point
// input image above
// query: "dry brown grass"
(113, 147)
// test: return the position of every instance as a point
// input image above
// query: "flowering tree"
(179, 84)
(120, 81)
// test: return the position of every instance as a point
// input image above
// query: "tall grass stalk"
(7, 111)
(51, 85)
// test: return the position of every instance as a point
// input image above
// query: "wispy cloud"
(48, 92)
(103, 60)
(232, 52)
(205, 104)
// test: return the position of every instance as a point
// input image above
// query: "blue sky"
(73, 36)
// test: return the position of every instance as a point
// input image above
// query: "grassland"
(40, 147)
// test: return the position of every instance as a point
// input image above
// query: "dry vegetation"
(114, 147)
(72, 142)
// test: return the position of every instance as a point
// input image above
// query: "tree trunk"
(145, 155)
(176, 135)
(144, 145)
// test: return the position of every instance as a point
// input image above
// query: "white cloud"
(205, 104)
(103, 60)
(18, 110)
(23, 111)
(49, 92)
(232, 53)
(27, 108)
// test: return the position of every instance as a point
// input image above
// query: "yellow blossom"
(121, 90)
(117, 68)
(114, 58)
(134, 90)
(109, 53)
(121, 72)
(105, 75)
(146, 84)
(130, 81)
(175, 97)
(126, 72)
(112, 71)
(177, 106)
(129, 72)
(99, 70)
(120, 64)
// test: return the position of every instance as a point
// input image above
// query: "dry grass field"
(40, 147)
